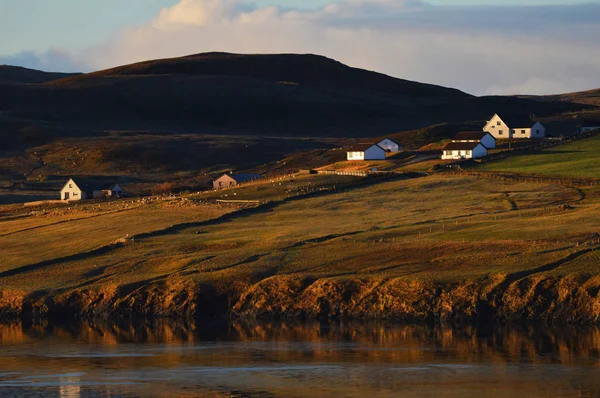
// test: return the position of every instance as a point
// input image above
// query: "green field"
(578, 159)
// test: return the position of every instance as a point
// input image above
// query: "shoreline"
(568, 300)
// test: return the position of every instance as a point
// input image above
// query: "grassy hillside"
(589, 97)
(285, 94)
(18, 75)
(576, 159)
(495, 244)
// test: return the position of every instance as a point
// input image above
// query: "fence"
(344, 173)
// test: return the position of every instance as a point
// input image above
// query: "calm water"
(292, 360)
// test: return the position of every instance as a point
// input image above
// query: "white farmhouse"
(80, 189)
(367, 152)
(484, 137)
(390, 146)
(514, 127)
(464, 150)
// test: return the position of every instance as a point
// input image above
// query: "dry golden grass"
(434, 228)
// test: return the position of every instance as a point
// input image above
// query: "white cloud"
(482, 50)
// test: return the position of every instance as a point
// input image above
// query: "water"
(163, 359)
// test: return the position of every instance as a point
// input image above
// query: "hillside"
(291, 95)
(588, 97)
(403, 250)
(18, 75)
(187, 119)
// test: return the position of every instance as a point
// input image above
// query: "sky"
(482, 47)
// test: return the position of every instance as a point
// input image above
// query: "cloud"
(479, 49)
(53, 60)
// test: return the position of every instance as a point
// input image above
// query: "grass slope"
(576, 159)
(414, 229)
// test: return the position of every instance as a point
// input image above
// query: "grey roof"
(461, 146)
(89, 185)
(471, 135)
(363, 147)
(245, 177)
(389, 139)
(516, 121)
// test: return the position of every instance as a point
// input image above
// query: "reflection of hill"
(371, 342)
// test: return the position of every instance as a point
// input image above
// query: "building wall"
(537, 131)
(389, 145)
(498, 128)
(375, 153)
(74, 192)
(116, 190)
(223, 182)
(457, 155)
(356, 155)
(488, 142)
(479, 151)
(102, 194)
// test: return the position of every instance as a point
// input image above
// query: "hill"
(18, 75)
(301, 95)
(588, 97)
(186, 119)
(404, 249)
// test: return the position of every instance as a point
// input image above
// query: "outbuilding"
(484, 137)
(464, 150)
(390, 146)
(81, 189)
(233, 180)
(367, 152)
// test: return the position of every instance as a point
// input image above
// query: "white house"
(464, 150)
(484, 137)
(80, 189)
(390, 146)
(367, 152)
(514, 127)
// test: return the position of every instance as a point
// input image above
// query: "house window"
(498, 123)
(75, 194)
(522, 131)
(70, 185)
(500, 132)
(537, 132)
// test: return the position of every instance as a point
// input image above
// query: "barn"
(390, 146)
(232, 180)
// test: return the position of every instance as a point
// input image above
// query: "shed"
(233, 180)
(390, 146)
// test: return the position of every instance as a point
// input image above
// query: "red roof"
(471, 135)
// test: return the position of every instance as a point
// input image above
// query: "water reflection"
(290, 359)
